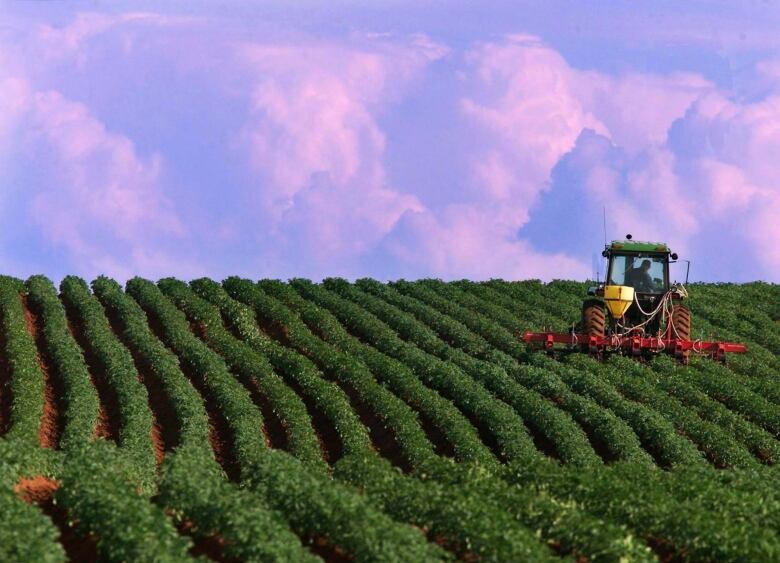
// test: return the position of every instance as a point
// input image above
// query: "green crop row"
(498, 420)
(298, 371)
(250, 366)
(477, 526)
(453, 427)
(348, 371)
(677, 383)
(613, 434)
(197, 492)
(277, 478)
(543, 416)
(26, 380)
(97, 487)
(718, 383)
(79, 397)
(116, 366)
(635, 382)
(562, 523)
(243, 419)
(160, 366)
(658, 435)
(689, 526)
(315, 506)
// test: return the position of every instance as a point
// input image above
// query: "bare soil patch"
(328, 552)
(211, 547)
(40, 491)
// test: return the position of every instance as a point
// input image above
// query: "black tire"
(681, 326)
(594, 319)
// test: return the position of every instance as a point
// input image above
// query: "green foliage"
(26, 534)
(502, 454)
(316, 506)
(25, 378)
(249, 366)
(397, 376)
(159, 363)
(243, 418)
(98, 489)
(495, 416)
(79, 400)
(252, 531)
(116, 365)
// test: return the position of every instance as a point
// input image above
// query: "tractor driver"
(639, 278)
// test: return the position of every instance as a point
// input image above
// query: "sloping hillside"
(375, 422)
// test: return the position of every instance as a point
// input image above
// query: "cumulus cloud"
(528, 108)
(97, 190)
(316, 145)
(542, 147)
(84, 189)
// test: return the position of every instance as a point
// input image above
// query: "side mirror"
(674, 256)
(605, 253)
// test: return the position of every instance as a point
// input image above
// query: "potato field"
(271, 421)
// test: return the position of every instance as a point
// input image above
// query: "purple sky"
(406, 139)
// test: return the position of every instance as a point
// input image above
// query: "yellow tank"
(618, 299)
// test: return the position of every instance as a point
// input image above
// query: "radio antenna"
(605, 225)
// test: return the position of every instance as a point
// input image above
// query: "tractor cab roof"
(638, 246)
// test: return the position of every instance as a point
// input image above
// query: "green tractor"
(637, 310)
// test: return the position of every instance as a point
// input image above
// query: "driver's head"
(645, 265)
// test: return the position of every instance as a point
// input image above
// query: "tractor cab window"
(645, 273)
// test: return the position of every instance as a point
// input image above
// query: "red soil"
(36, 489)
(40, 490)
(274, 429)
(220, 436)
(158, 445)
(383, 438)
(51, 421)
(210, 547)
(109, 420)
(165, 426)
(330, 553)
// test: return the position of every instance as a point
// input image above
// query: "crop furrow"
(327, 403)
(76, 397)
(450, 432)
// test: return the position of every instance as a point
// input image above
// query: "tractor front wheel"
(681, 326)
(594, 319)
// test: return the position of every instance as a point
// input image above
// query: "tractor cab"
(641, 265)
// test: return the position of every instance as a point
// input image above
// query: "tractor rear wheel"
(594, 319)
(681, 326)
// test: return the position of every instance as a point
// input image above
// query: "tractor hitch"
(636, 345)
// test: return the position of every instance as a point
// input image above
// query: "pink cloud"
(70, 41)
(97, 187)
(315, 143)
(467, 241)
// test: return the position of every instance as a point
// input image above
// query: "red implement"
(634, 344)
